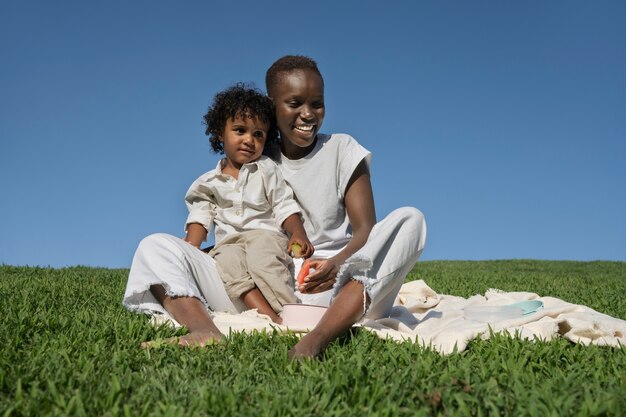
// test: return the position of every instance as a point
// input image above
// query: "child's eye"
(240, 130)
(318, 104)
(293, 103)
(260, 134)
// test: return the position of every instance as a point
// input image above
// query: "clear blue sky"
(503, 121)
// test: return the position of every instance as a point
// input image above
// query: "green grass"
(68, 347)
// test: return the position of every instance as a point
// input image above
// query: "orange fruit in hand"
(304, 271)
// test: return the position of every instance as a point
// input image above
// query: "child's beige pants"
(256, 258)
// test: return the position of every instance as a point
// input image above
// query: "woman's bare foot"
(306, 348)
(193, 339)
(346, 309)
(191, 313)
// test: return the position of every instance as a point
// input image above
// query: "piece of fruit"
(296, 250)
(304, 271)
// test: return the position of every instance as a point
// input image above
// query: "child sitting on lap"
(247, 199)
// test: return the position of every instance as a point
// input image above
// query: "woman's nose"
(306, 113)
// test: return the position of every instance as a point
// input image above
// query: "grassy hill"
(68, 347)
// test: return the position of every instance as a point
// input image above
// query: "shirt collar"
(217, 172)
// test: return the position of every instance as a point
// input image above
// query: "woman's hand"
(322, 279)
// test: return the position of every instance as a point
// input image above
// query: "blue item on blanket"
(492, 314)
(529, 306)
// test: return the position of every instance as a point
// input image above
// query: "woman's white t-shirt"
(319, 182)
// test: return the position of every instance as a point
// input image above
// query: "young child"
(250, 204)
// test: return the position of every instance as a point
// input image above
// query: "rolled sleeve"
(201, 208)
(285, 211)
(279, 193)
(353, 153)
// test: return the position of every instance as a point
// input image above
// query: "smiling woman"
(359, 263)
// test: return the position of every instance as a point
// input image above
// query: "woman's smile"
(305, 128)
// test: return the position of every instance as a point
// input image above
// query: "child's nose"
(248, 140)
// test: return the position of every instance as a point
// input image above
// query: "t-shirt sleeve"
(349, 154)
(279, 193)
(201, 206)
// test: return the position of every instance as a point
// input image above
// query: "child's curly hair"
(243, 101)
(288, 63)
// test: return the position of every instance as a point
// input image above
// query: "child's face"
(299, 100)
(243, 139)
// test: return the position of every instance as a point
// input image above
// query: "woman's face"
(299, 100)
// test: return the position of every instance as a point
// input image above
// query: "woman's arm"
(359, 202)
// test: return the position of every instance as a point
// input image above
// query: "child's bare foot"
(272, 316)
(193, 339)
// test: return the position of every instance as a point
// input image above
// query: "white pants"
(392, 249)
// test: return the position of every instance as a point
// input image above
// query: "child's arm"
(200, 202)
(280, 196)
(293, 226)
(196, 234)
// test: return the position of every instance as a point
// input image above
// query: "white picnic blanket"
(438, 321)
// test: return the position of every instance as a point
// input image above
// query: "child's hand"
(300, 247)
